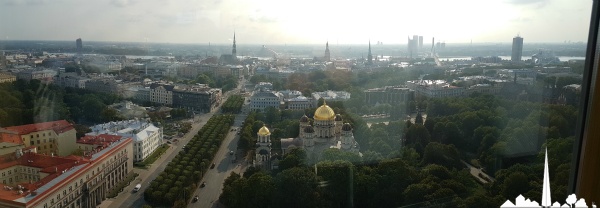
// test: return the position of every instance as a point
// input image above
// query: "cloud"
(536, 3)
(122, 3)
(21, 2)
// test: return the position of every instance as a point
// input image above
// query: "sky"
(295, 21)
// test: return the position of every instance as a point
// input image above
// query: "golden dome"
(324, 112)
(264, 131)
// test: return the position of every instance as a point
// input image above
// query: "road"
(209, 195)
(214, 177)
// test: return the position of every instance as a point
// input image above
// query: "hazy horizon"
(305, 22)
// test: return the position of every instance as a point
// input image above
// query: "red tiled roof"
(58, 126)
(12, 137)
(99, 139)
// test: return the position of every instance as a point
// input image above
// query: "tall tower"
(79, 45)
(327, 54)
(517, 49)
(370, 55)
(234, 51)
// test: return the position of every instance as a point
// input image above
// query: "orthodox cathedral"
(326, 131)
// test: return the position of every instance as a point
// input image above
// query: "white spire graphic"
(546, 201)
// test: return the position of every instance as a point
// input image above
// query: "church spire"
(327, 54)
(370, 55)
(234, 51)
(546, 200)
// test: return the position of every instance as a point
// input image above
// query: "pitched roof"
(58, 127)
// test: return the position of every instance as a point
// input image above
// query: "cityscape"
(261, 109)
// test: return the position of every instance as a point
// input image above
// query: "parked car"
(212, 166)
(195, 199)
(203, 185)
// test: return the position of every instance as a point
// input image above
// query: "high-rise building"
(370, 55)
(413, 45)
(79, 44)
(420, 42)
(327, 54)
(517, 49)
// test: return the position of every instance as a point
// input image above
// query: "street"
(214, 177)
(209, 195)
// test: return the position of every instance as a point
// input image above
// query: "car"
(231, 152)
(203, 185)
(212, 166)
(137, 188)
(195, 199)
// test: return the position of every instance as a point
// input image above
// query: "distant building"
(49, 138)
(103, 85)
(36, 180)
(161, 94)
(37, 73)
(517, 49)
(7, 78)
(263, 86)
(327, 53)
(230, 58)
(369, 55)
(298, 103)
(420, 42)
(79, 45)
(197, 98)
(434, 88)
(146, 136)
(70, 79)
(261, 100)
(389, 94)
(330, 96)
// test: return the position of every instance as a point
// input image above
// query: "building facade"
(49, 138)
(434, 88)
(389, 94)
(197, 98)
(161, 94)
(263, 99)
(55, 182)
(103, 85)
(7, 78)
(146, 136)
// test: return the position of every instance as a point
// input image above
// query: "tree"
(296, 187)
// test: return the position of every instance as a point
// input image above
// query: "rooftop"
(58, 126)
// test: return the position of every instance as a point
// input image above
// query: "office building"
(79, 45)
(517, 49)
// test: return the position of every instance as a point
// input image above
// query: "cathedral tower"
(263, 149)
(234, 50)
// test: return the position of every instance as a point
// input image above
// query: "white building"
(330, 96)
(161, 94)
(70, 79)
(435, 88)
(146, 137)
(261, 100)
(298, 103)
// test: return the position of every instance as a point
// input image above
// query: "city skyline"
(273, 22)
